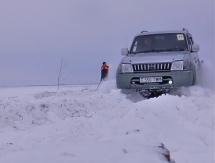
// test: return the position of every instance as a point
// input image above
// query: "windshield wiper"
(175, 49)
(147, 51)
(160, 50)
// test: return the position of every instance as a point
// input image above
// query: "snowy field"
(77, 124)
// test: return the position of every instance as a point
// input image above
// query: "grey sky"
(36, 34)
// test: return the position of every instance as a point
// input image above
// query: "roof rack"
(184, 29)
(143, 31)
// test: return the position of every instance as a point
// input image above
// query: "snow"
(78, 124)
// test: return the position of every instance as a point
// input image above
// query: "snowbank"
(79, 124)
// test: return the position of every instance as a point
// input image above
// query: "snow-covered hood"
(154, 57)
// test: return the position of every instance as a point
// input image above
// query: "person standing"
(104, 71)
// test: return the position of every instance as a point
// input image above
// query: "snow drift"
(79, 124)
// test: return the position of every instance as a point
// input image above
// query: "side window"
(188, 39)
(191, 39)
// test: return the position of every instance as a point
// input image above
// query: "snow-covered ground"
(77, 124)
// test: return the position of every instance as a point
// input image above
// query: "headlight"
(125, 68)
(177, 65)
(180, 65)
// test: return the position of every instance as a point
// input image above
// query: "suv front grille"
(152, 67)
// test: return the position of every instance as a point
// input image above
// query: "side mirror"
(124, 51)
(195, 48)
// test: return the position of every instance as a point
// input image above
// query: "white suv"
(158, 62)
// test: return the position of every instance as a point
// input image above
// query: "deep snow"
(78, 124)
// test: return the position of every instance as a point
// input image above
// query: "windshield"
(159, 43)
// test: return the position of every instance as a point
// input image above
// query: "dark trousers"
(104, 74)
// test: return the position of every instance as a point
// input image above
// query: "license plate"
(151, 80)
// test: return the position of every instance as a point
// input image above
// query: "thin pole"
(98, 85)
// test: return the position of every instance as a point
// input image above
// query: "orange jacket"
(105, 67)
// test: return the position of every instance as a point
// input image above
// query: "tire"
(194, 81)
(199, 76)
(194, 78)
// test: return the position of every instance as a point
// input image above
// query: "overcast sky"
(36, 34)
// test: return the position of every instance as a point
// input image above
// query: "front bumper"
(132, 80)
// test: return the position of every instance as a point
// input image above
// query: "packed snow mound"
(79, 124)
